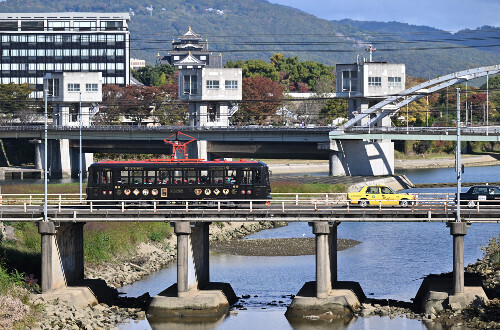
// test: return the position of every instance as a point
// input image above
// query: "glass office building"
(34, 44)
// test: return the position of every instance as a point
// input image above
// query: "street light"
(458, 160)
(45, 172)
(80, 167)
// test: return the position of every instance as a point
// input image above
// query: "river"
(391, 262)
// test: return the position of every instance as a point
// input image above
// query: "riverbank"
(321, 166)
(275, 246)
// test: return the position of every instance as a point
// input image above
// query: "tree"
(14, 98)
(154, 76)
(494, 95)
(169, 110)
(138, 102)
(109, 110)
(261, 98)
(333, 109)
(254, 68)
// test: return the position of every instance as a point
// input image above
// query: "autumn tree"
(109, 110)
(133, 102)
(261, 98)
(169, 110)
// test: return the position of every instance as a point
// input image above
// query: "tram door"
(106, 184)
(245, 184)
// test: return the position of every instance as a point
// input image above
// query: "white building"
(68, 91)
(365, 84)
(33, 44)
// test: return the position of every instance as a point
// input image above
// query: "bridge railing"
(472, 130)
(287, 202)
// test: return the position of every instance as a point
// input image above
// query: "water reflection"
(181, 324)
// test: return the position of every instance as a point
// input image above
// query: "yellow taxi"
(379, 195)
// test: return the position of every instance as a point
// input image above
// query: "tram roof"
(175, 161)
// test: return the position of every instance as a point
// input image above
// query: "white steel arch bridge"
(394, 103)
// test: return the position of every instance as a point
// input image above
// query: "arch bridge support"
(360, 157)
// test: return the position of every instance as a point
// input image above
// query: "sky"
(448, 15)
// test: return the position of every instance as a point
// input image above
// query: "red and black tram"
(173, 179)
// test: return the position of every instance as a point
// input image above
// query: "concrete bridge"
(62, 245)
(242, 142)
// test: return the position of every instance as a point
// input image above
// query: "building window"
(73, 87)
(231, 84)
(31, 25)
(349, 81)
(58, 25)
(191, 84)
(53, 87)
(111, 25)
(212, 84)
(85, 25)
(375, 81)
(8, 26)
(91, 87)
(394, 81)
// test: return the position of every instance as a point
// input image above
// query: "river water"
(391, 262)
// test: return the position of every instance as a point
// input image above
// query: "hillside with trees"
(484, 38)
(256, 29)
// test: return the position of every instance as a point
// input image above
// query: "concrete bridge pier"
(62, 254)
(357, 157)
(62, 267)
(456, 290)
(326, 294)
(63, 160)
(193, 297)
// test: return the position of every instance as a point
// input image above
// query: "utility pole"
(370, 49)
(458, 159)
(80, 172)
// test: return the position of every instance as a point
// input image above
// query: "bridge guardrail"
(285, 201)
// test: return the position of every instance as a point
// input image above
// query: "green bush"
(492, 250)
(103, 241)
(292, 187)
(155, 236)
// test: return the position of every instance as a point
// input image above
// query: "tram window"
(258, 178)
(230, 177)
(106, 177)
(136, 177)
(246, 177)
(124, 177)
(217, 176)
(95, 178)
(163, 177)
(149, 177)
(191, 177)
(177, 177)
(203, 177)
